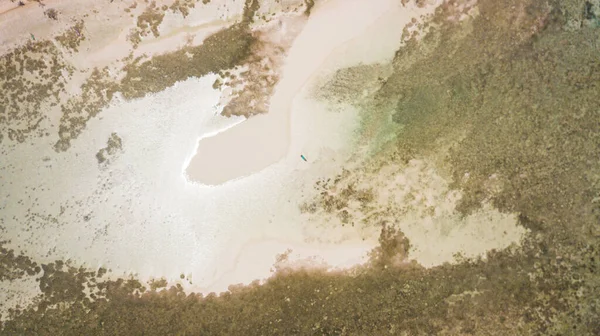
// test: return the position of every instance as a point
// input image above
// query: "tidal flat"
(467, 164)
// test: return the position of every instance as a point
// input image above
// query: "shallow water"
(143, 215)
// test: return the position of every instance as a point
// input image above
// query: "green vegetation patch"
(97, 92)
(223, 50)
(14, 266)
(72, 38)
(114, 144)
(150, 19)
(31, 78)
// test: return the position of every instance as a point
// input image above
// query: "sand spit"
(264, 140)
